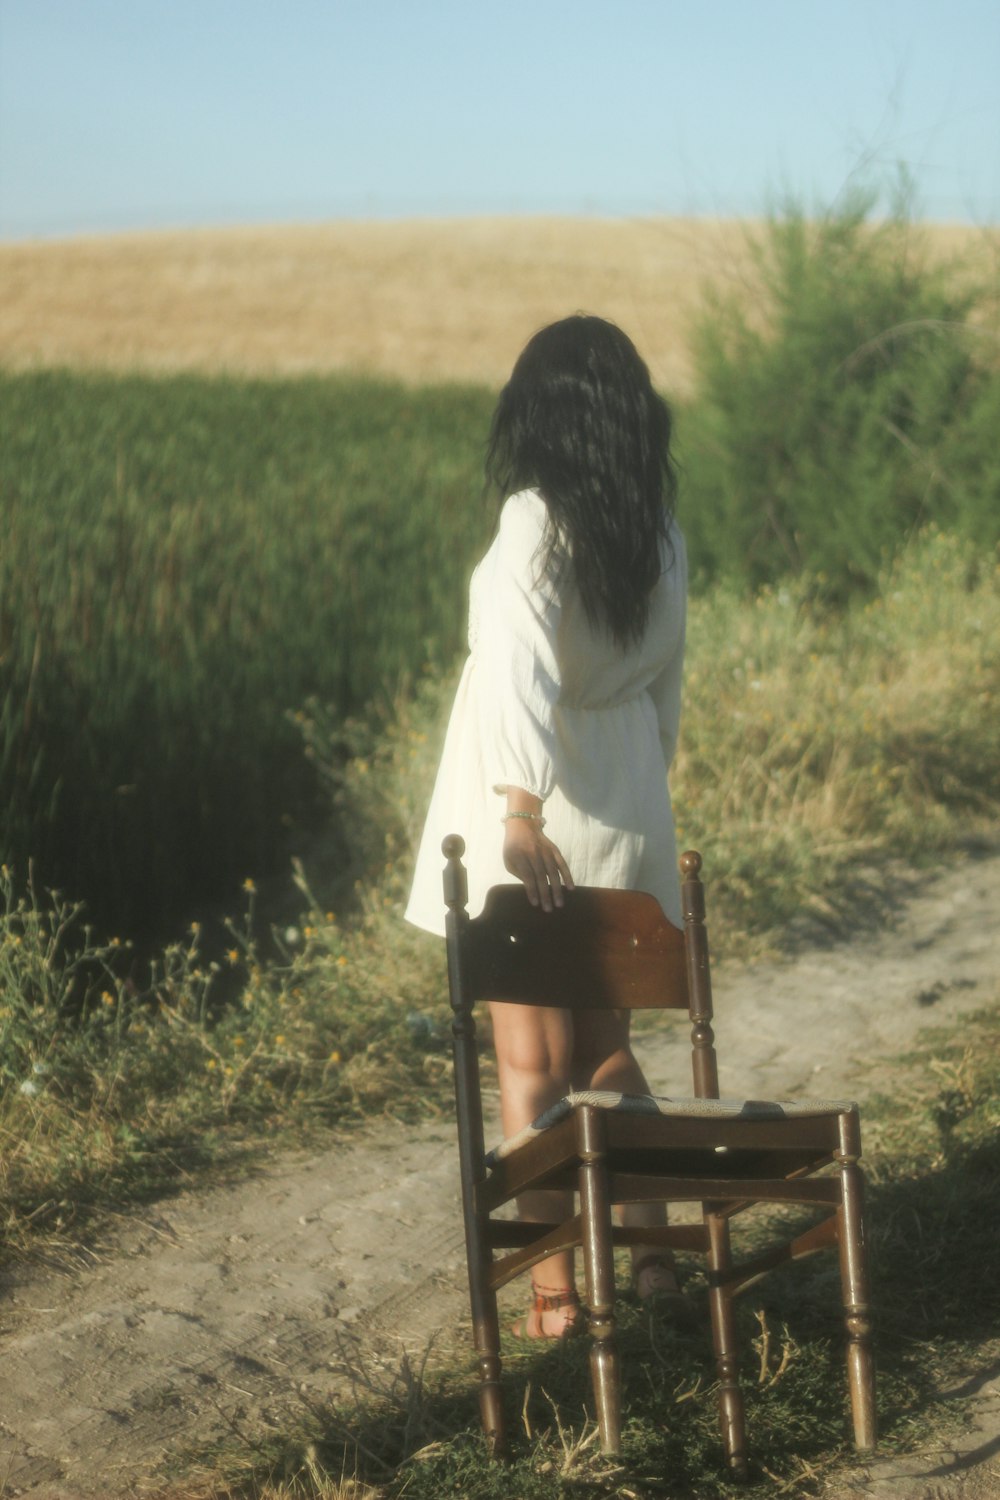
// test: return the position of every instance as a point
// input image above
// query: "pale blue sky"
(119, 114)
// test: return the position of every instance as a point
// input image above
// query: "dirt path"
(230, 1306)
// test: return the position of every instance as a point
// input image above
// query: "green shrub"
(845, 399)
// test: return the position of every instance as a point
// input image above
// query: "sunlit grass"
(815, 741)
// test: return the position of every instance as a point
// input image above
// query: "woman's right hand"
(535, 860)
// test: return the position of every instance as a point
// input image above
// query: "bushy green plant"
(843, 401)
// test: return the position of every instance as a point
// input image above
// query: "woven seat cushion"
(650, 1104)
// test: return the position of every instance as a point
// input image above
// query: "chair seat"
(652, 1104)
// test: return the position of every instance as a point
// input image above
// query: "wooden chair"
(616, 949)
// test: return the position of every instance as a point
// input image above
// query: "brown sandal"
(547, 1301)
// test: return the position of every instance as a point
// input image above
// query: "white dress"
(548, 704)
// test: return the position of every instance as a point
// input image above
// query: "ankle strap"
(547, 1300)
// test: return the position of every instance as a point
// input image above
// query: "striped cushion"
(649, 1104)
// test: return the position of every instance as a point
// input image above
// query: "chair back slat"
(604, 949)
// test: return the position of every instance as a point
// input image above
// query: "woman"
(566, 716)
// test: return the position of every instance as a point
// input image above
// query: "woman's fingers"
(552, 883)
(532, 875)
(563, 869)
(539, 865)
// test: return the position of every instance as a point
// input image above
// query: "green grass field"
(230, 612)
(184, 562)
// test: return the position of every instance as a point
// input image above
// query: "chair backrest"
(602, 949)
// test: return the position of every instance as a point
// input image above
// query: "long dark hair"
(580, 422)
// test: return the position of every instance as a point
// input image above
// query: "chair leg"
(486, 1336)
(599, 1266)
(732, 1420)
(857, 1306)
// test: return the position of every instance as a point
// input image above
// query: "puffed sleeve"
(665, 689)
(518, 617)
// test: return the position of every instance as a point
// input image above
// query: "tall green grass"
(184, 561)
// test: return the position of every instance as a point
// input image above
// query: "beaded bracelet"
(534, 817)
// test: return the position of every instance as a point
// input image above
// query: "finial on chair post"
(692, 890)
(456, 883)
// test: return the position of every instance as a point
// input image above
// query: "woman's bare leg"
(603, 1059)
(534, 1050)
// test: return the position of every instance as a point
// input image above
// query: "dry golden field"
(419, 299)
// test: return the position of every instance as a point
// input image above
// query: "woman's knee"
(532, 1042)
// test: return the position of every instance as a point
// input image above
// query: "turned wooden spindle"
(855, 1284)
(599, 1266)
(732, 1419)
(704, 1063)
